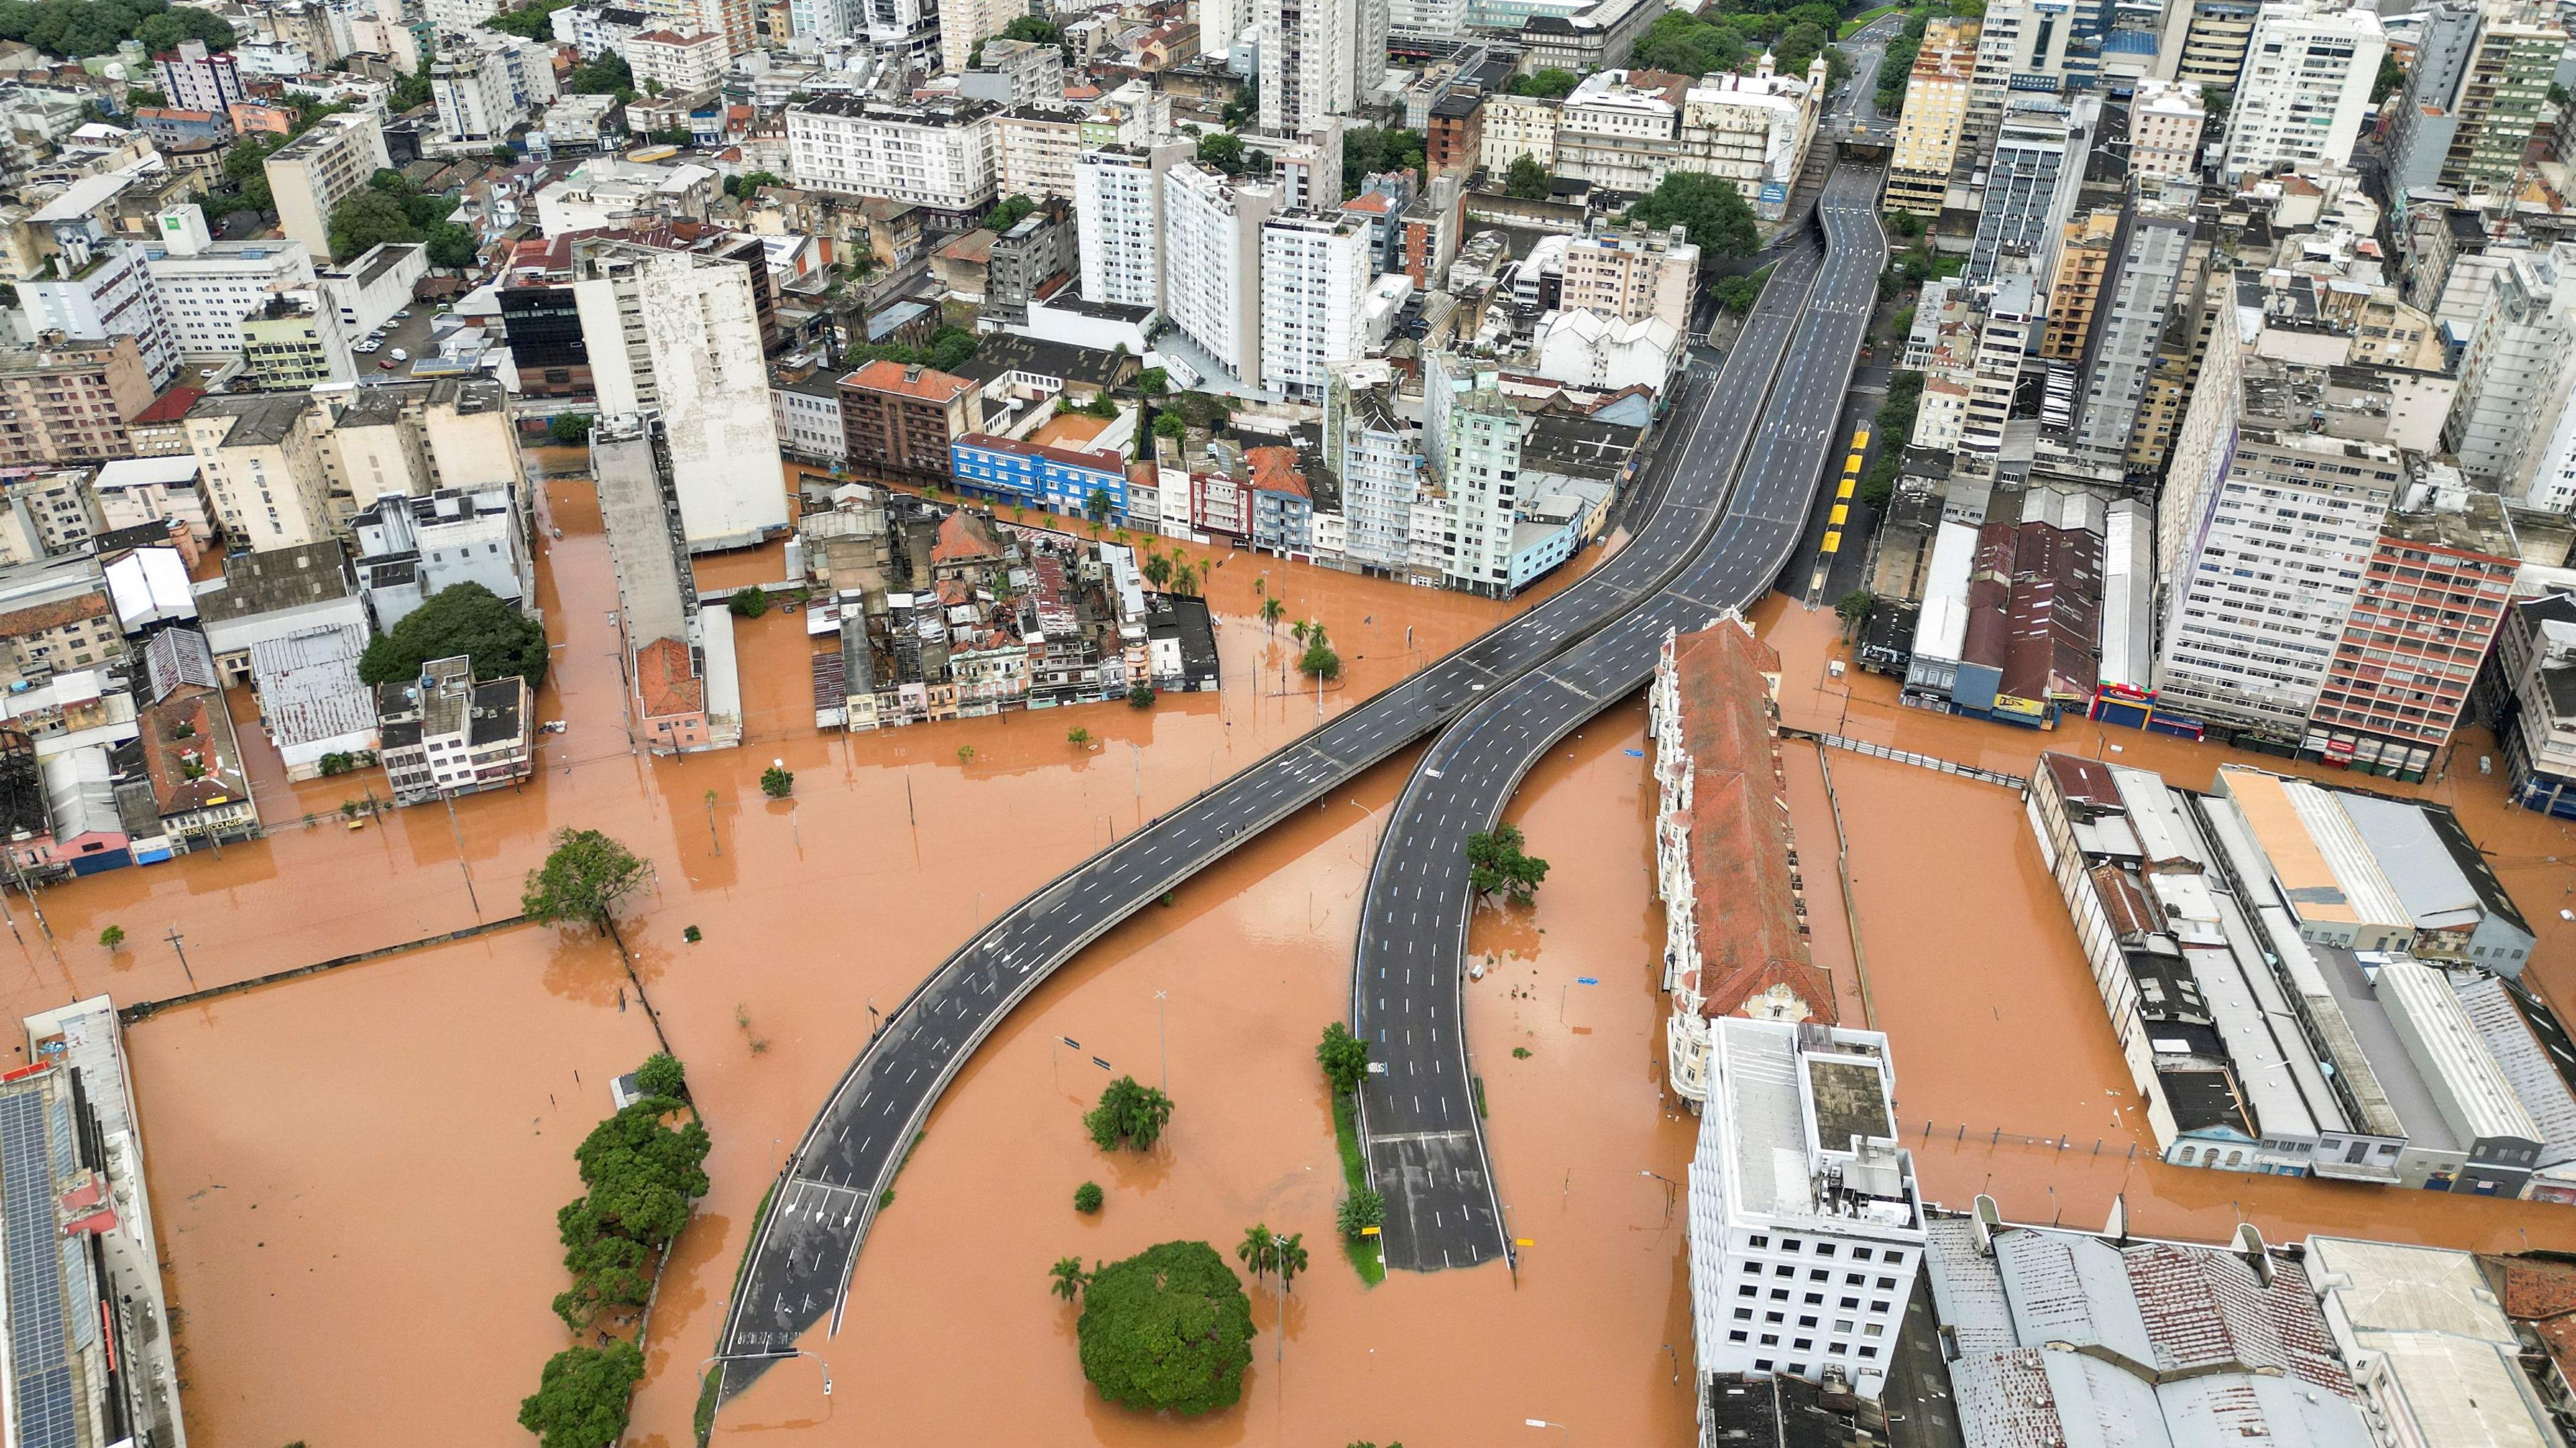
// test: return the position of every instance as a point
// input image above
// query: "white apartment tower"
(2308, 72)
(2508, 425)
(1118, 221)
(1212, 263)
(1314, 275)
(938, 155)
(677, 334)
(1806, 1224)
(1472, 435)
(1318, 57)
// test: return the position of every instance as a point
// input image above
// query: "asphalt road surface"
(1425, 1145)
(800, 1259)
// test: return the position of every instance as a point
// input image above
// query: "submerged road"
(1418, 1121)
(799, 1261)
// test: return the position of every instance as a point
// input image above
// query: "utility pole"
(175, 939)
(713, 843)
(448, 797)
(1162, 1031)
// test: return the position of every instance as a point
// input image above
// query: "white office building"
(2306, 87)
(938, 155)
(675, 333)
(1212, 263)
(486, 85)
(208, 286)
(1471, 433)
(1806, 1227)
(2508, 425)
(1314, 276)
(1118, 221)
(97, 289)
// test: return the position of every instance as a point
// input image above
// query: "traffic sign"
(1524, 1242)
(1368, 1231)
(1587, 980)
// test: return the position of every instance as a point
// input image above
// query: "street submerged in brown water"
(357, 1173)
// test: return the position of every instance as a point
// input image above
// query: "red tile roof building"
(1726, 861)
(898, 420)
(670, 698)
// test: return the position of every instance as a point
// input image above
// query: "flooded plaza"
(357, 1173)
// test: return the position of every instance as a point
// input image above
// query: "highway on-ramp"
(1425, 1143)
(801, 1255)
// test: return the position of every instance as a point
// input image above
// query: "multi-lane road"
(800, 1259)
(1425, 1145)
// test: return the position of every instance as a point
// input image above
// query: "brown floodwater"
(444, 1236)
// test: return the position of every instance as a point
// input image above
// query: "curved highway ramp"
(1425, 1144)
(799, 1260)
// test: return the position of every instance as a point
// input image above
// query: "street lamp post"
(1670, 1187)
(1543, 1423)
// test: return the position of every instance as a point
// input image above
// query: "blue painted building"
(1025, 472)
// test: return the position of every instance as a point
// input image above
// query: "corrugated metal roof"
(309, 690)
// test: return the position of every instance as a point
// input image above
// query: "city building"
(2503, 91)
(1036, 148)
(318, 713)
(56, 615)
(2305, 89)
(208, 286)
(291, 344)
(1118, 207)
(2206, 41)
(1312, 58)
(2165, 122)
(1212, 263)
(1517, 126)
(1072, 481)
(1632, 275)
(2424, 119)
(1806, 1224)
(1314, 269)
(63, 401)
(93, 1350)
(901, 420)
(937, 155)
(680, 64)
(683, 694)
(2427, 1343)
(311, 175)
(92, 289)
(2031, 184)
(197, 79)
(2022, 50)
(156, 491)
(1934, 118)
(1726, 861)
(262, 467)
(447, 733)
(413, 547)
(679, 334)
(2146, 253)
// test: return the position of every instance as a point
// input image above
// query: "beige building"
(962, 23)
(70, 402)
(290, 345)
(261, 463)
(2083, 261)
(684, 63)
(417, 439)
(311, 175)
(1936, 113)
(1632, 275)
(2165, 121)
(1517, 126)
(55, 616)
(1034, 148)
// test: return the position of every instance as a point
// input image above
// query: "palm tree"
(1069, 1277)
(1271, 611)
(1290, 1254)
(1258, 1251)
(1298, 631)
(1148, 1111)
(1158, 569)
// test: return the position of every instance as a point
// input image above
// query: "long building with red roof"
(1726, 861)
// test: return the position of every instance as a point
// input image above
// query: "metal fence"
(2013, 782)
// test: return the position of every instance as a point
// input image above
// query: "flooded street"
(357, 1173)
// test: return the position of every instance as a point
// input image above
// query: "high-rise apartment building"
(1474, 433)
(92, 289)
(1318, 57)
(2423, 119)
(196, 79)
(1314, 275)
(2038, 167)
(2204, 41)
(2083, 263)
(1035, 148)
(1377, 459)
(2306, 87)
(1632, 275)
(2284, 506)
(291, 344)
(2148, 253)
(2502, 94)
(2011, 318)
(208, 286)
(486, 85)
(2515, 375)
(1212, 263)
(1801, 1188)
(2432, 597)
(677, 335)
(963, 23)
(909, 28)
(2021, 51)
(65, 402)
(1118, 221)
(2165, 122)
(311, 175)
(938, 155)
(1935, 116)
(259, 456)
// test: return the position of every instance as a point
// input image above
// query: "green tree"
(749, 602)
(582, 1397)
(1711, 209)
(530, 23)
(1223, 150)
(1554, 83)
(1007, 213)
(777, 783)
(1288, 1253)
(1168, 1329)
(607, 1271)
(1086, 1198)
(1258, 1251)
(1526, 178)
(571, 427)
(369, 218)
(1319, 661)
(1855, 607)
(1078, 737)
(1363, 1208)
(462, 618)
(1128, 1113)
(584, 879)
(2392, 76)
(1271, 611)
(662, 1075)
(1066, 1278)
(453, 246)
(1367, 151)
(642, 1175)
(1496, 865)
(609, 75)
(1344, 1058)
(1032, 28)
(1690, 45)
(113, 937)
(1171, 425)
(1153, 382)
(1141, 697)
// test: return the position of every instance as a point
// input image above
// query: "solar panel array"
(47, 1415)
